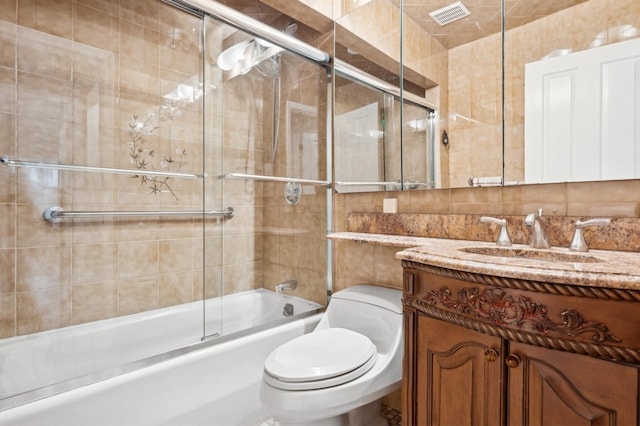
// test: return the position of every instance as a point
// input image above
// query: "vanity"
(516, 335)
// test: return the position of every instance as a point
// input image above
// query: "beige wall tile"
(92, 302)
(241, 277)
(8, 225)
(93, 263)
(7, 315)
(41, 310)
(7, 38)
(8, 11)
(175, 288)
(137, 295)
(176, 255)
(47, 16)
(137, 259)
(95, 28)
(8, 268)
(44, 55)
(7, 91)
(33, 231)
(145, 12)
(43, 267)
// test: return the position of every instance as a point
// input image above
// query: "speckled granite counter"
(596, 268)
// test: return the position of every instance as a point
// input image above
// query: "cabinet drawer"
(587, 321)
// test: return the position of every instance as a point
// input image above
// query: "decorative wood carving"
(529, 285)
(613, 353)
(504, 309)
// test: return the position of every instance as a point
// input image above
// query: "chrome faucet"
(286, 285)
(503, 239)
(539, 237)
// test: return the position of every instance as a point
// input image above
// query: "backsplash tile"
(623, 234)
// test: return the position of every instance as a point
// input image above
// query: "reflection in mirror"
(573, 110)
(368, 39)
(367, 145)
(366, 139)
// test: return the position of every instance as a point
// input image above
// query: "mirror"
(374, 122)
(572, 96)
(458, 69)
(557, 127)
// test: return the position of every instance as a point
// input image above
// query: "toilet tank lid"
(374, 295)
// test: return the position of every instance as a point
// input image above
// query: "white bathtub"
(214, 386)
(101, 349)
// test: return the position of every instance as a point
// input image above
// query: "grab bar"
(39, 165)
(366, 183)
(56, 214)
(275, 179)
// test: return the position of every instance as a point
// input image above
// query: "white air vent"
(450, 13)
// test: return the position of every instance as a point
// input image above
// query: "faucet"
(286, 285)
(539, 237)
(578, 243)
(503, 239)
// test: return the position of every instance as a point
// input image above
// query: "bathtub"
(215, 386)
(58, 360)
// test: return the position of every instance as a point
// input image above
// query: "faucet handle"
(503, 237)
(578, 242)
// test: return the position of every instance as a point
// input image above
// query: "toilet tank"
(373, 311)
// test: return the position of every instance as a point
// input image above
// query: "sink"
(524, 253)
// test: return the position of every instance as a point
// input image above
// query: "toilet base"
(366, 415)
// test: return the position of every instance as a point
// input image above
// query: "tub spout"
(286, 285)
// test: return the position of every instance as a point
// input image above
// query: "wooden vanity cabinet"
(486, 351)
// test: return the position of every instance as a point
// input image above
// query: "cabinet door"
(458, 380)
(548, 387)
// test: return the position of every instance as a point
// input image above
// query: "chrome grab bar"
(366, 183)
(275, 179)
(56, 214)
(39, 165)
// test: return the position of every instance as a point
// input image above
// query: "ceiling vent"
(450, 13)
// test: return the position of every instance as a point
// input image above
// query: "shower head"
(231, 56)
(290, 28)
(269, 67)
(256, 53)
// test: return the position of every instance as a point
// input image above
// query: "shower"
(265, 57)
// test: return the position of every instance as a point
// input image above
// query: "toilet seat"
(321, 359)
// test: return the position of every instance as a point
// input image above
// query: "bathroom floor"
(393, 416)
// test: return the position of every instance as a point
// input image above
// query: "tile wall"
(86, 83)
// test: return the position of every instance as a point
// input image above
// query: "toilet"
(338, 373)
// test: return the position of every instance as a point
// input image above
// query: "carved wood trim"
(530, 285)
(597, 350)
(504, 309)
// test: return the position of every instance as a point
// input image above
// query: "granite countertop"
(595, 268)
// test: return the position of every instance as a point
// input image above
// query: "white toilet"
(337, 374)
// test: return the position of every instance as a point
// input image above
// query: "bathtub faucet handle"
(286, 285)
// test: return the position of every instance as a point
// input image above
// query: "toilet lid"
(320, 355)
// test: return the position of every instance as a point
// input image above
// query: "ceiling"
(484, 19)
